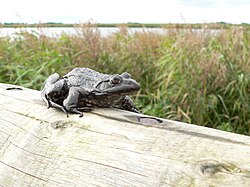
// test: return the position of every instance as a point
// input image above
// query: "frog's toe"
(84, 109)
(45, 99)
(48, 104)
(135, 110)
(76, 111)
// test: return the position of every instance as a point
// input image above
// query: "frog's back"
(84, 77)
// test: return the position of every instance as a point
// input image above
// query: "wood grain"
(110, 147)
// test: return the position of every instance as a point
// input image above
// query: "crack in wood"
(6, 140)
(12, 167)
(106, 165)
(29, 174)
(4, 120)
(163, 126)
(14, 88)
(43, 156)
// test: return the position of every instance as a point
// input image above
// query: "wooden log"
(110, 147)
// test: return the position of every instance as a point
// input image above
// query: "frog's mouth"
(123, 89)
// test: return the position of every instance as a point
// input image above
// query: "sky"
(123, 11)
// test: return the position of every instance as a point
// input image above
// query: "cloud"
(197, 3)
(213, 3)
(110, 11)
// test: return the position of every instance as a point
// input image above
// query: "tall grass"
(196, 76)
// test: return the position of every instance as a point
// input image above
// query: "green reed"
(195, 76)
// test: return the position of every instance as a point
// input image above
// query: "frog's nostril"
(138, 87)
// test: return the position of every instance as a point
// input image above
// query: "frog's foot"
(55, 105)
(84, 109)
(75, 111)
(134, 110)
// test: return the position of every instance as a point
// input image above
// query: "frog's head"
(119, 85)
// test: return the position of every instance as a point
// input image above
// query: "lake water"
(57, 31)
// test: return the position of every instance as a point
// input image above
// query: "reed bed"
(196, 76)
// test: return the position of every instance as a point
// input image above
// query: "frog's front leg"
(72, 100)
(126, 103)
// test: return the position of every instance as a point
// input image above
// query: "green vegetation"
(195, 76)
(217, 25)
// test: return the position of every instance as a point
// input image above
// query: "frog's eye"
(126, 75)
(116, 79)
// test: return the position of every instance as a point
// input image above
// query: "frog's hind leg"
(70, 103)
(55, 105)
(51, 86)
(51, 103)
(48, 85)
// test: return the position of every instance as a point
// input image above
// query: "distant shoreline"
(219, 25)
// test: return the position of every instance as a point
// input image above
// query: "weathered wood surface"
(107, 147)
